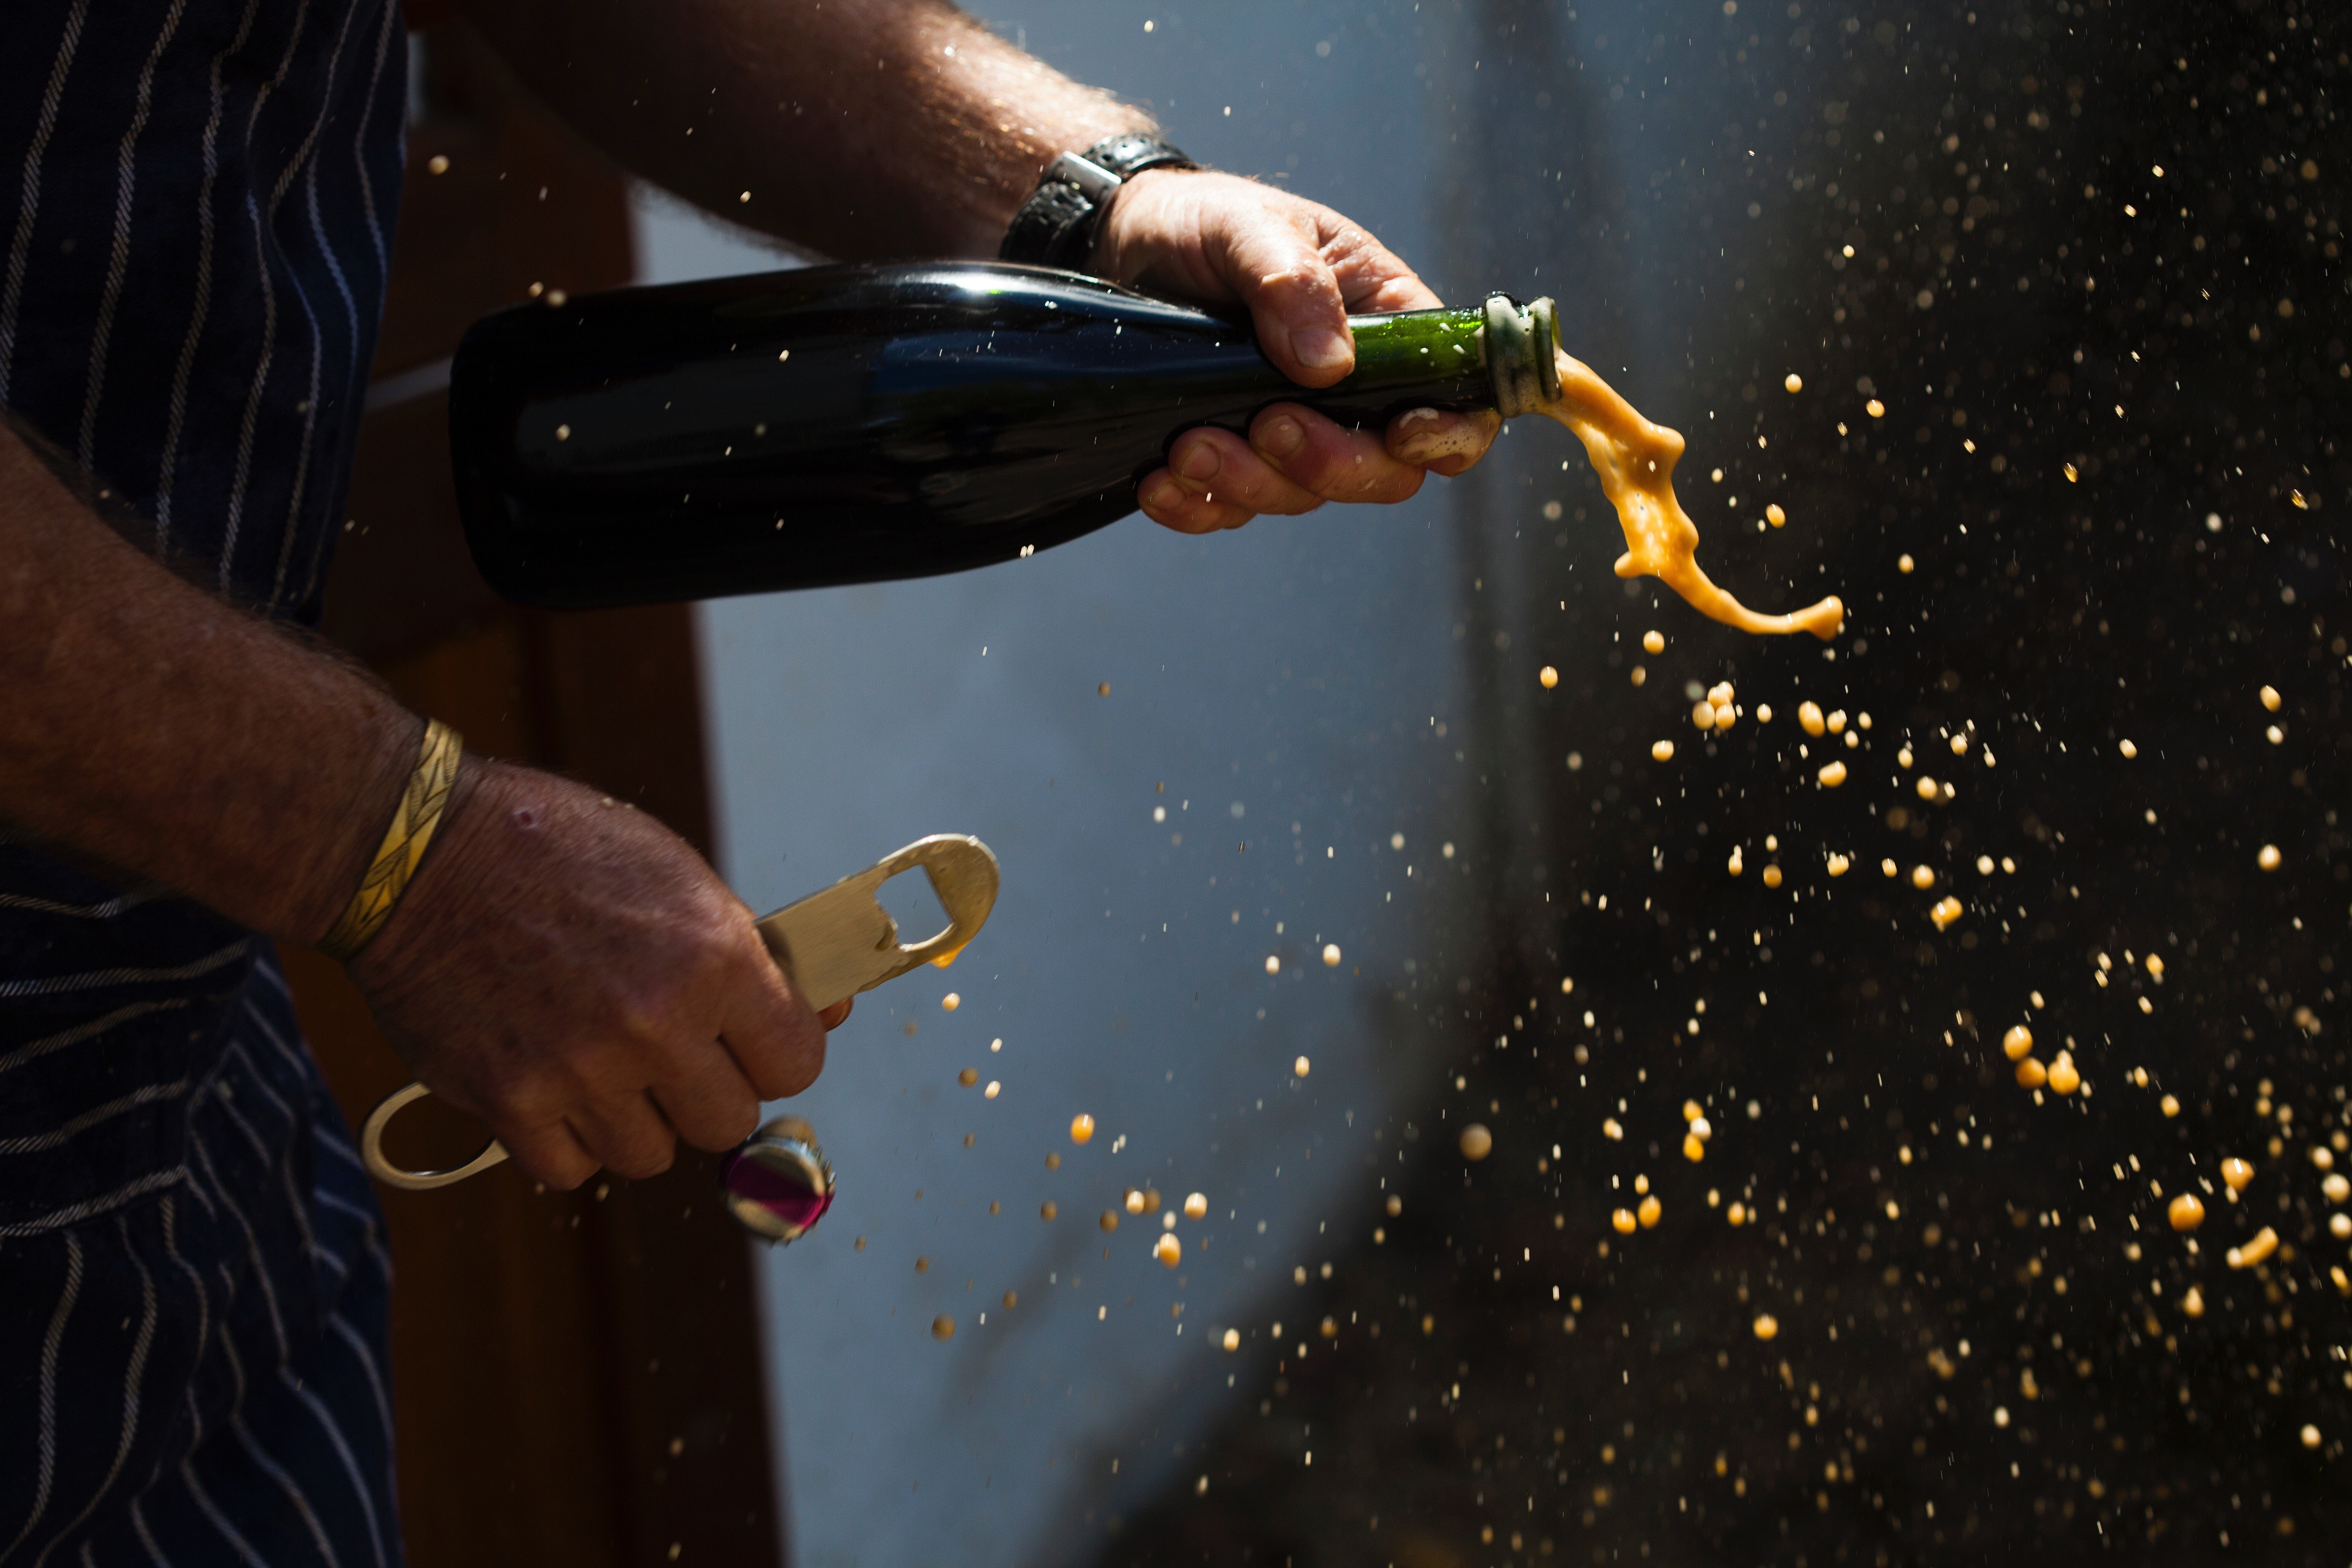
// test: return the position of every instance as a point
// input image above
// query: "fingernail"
(1200, 463)
(1283, 436)
(1163, 497)
(1320, 348)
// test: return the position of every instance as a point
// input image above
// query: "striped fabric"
(196, 199)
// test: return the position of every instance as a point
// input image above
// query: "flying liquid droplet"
(1624, 1221)
(2063, 1077)
(1766, 1325)
(2127, 749)
(2237, 1173)
(1663, 752)
(943, 1327)
(1650, 1213)
(2185, 1212)
(2031, 1074)
(1330, 955)
(1273, 963)
(1082, 1126)
(1232, 1340)
(1653, 642)
(2268, 858)
(1549, 676)
(1299, 1068)
(2270, 698)
(1775, 516)
(1476, 1142)
(1794, 382)
(2018, 1042)
(1196, 1206)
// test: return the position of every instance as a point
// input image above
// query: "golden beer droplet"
(993, 1091)
(1946, 910)
(1301, 1067)
(1395, 1206)
(1104, 689)
(439, 164)
(2310, 1437)
(1053, 1160)
(1927, 787)
(2031, 1074)
(1274, 963)
(1735, 865)
(1196, 1206)
(2185, 1213)
(1047, 1210)
(1874, 408)
(1923, 877)
(1771, 875)
(2237, 1173)
(1476, 1141)
(1549, 676)
(1011, 1300)
(922, 1266)
(1838, 864)
(2063, 1077)
(2127, 749)
(2192, 1301)
(2168, 1105)
(1329, 1328)
(1651, 1212)
(951, 1002)
(1809, 716)
(1694, 1148)
(1110, 1221)
(2018, 1043)
(1232, 1340)
(1775, 516)
(1663, 752)
(1794, 382)
(1624, 1221)
(1903, 563)
(2268, 858)
(943, 1327)
(1168, 1249)
(2270, 698)
(2265, 1243)
(1330, 955)
(1653, 642)
(1766, 1325)
(1134, 1200)
(969, 1077)
(1737, 1214)
(1082, 1126)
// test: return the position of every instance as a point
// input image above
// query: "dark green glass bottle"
(848, 424)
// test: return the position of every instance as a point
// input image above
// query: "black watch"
(1056, 225)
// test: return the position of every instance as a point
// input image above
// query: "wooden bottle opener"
(831, 945)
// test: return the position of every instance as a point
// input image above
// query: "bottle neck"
(1496, 355)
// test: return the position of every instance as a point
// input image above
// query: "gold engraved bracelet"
(396, 859)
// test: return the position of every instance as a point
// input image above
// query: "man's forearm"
(860, 128)
(146, 723)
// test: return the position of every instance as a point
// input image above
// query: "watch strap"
(1058, 225)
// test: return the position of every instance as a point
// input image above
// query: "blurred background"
(2032, 321)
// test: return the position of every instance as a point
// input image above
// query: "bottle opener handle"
(831, 945)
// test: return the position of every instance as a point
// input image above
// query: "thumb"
(1292, 295)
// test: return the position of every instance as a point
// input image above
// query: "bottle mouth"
(1520, 340)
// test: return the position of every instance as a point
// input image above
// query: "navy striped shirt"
(196, 203)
